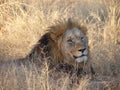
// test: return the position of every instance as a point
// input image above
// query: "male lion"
(65, 42)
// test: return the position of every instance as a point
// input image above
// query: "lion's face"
(74, 46)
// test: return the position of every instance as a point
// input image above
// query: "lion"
(64, 42)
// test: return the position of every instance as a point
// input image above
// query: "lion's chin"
(81, 59)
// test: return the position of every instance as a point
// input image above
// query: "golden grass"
(22, 22)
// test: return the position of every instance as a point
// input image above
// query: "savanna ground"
(22, 22)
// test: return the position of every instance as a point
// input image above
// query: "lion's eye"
(69, 41)
(82, 38)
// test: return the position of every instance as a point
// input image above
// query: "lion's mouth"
(78, 56)
(82, 58)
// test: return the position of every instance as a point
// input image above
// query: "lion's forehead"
(77, 32)
(74, 32)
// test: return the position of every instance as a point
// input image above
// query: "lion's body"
(65, 42)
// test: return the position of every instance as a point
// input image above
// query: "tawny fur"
(51, 40)
(56, 32)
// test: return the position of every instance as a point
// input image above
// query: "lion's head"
(68, 42)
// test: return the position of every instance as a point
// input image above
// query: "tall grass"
(22, 22)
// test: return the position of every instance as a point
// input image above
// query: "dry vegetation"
(22, 22)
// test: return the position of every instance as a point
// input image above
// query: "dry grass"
(22, 22)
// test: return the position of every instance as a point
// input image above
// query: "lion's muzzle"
(82, 57)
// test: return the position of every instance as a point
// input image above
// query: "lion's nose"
(82, 50)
